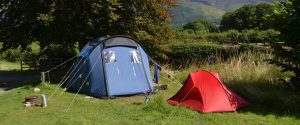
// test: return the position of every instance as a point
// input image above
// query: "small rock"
(27, 104)
(88, 97)
(36, 89)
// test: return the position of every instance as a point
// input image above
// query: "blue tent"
(112, 66)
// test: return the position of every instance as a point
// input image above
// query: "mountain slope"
(211, 10)
(189, 10)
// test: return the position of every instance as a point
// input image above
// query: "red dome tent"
(205, 92)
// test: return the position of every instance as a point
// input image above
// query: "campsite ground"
(269, 105)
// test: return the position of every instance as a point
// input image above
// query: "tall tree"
(248, 17)
(67, 22)
(201, 25)
(287, 21)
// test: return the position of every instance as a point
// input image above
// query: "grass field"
(8, 66)
(128, 110)
(271, 103)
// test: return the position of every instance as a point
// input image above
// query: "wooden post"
(21, 65)
(43, 76)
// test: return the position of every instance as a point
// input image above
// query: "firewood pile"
(31, 101)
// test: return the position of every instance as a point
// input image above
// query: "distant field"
(5, 65)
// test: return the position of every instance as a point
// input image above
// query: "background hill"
(211, 10)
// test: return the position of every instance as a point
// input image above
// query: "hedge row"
(247, 36)
(199, 52)
(230, 36)
(180, 53)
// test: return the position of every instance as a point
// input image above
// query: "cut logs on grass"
(31, 101)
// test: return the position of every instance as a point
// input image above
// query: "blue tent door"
(124, 71)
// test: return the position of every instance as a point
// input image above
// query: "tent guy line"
(164, 70)
(63, 80)
(83, 83)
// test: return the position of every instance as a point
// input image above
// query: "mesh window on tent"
(109, 57)
(135, 57)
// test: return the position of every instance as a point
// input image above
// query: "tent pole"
(43, 76)
(104, 71)
(144, 69)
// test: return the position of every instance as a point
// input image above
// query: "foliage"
(185, 53)
(56, 53)
(201, 25)
(66, 22)
(12, 55)
(187, 35)
(246, 36)
(248, 17)
(286, 18)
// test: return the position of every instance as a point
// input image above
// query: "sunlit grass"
(6, 66)
(251, 77)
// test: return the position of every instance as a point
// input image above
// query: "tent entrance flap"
(125, 75)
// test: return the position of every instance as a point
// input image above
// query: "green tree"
(287, 21)
(67, 22)
(248, 17)
(201, 25)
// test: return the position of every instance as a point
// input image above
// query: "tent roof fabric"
(205, 92)
(119, 41)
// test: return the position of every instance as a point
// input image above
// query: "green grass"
(271, 103)
(7, 66)
(127, 110)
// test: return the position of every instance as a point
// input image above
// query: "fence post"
(21, 65)
(43, 76)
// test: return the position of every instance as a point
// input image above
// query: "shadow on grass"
(15, 78)
(269, 99)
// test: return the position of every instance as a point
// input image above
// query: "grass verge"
(255, 80)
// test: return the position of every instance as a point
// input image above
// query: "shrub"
(188, 35)
(201, 25)
(12, 55)
(246, 47)
(233, 36)
(54, 52)
(246, 36)
(216, 37)
(195, 51)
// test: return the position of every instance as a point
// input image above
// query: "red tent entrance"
(205, 92)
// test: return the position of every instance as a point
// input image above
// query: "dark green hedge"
(181, 53)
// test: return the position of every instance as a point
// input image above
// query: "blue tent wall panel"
(124, 76)
(81, 70)
(79, 74)
(146, 65)
(96, 78)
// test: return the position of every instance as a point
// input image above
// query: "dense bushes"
(40, 59)
(181, 53)
(246, 36)
(185, 53)
(11, 55)
(201, 25)
(55, 54)
(230, 36)
(198, 46)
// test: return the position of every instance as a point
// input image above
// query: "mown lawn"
(6, 66)
(126, 110)
(271, 102)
